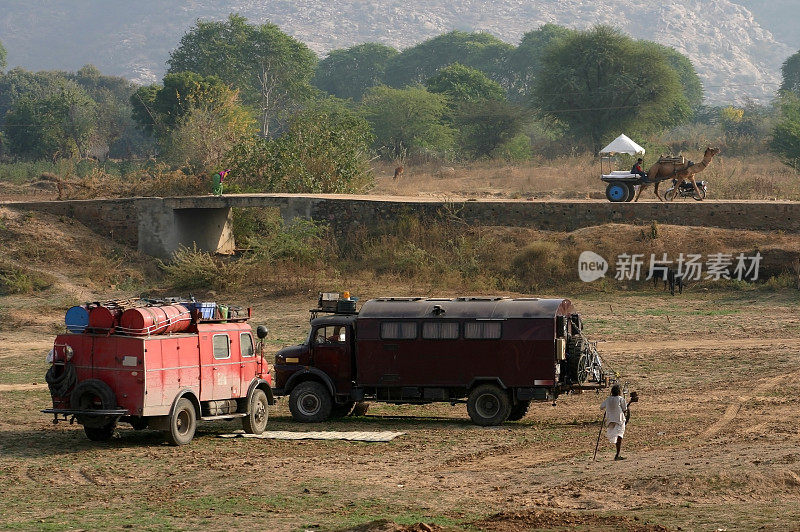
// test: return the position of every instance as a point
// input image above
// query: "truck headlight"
(68, 352)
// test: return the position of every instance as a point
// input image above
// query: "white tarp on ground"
(327, 435)
(622, 144)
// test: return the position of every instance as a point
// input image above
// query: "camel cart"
(621, 184)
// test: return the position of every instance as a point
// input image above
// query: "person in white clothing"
(616, 409)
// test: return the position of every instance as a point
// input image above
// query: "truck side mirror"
(261, 332)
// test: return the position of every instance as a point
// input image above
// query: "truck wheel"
(488, 405)
(182, 423)
(310, 402)
(519, 410)
(103, 433)
(342, 410)
(256, 419)
(93, 394)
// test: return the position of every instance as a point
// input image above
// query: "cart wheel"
(699, 197)
(631, 191)
(670, 194)
(617, 192)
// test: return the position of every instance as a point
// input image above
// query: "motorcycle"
(686, 190)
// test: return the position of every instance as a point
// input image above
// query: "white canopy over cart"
(620, 182)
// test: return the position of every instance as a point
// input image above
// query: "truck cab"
(327, 358)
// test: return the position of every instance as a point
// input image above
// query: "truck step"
(223, 416)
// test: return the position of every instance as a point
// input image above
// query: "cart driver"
(637, 169)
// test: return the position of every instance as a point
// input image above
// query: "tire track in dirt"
(734, 408)
(501, 457)
(22, 387)
(637, 346)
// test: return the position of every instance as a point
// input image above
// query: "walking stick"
(596, 445)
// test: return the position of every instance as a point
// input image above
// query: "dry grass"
(759, 177)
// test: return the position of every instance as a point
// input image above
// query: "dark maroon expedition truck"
(496, 353)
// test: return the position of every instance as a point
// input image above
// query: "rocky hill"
(733, 48)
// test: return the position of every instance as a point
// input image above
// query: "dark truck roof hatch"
(465, 307)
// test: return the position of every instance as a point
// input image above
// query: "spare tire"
(60, 379)
(93, 394)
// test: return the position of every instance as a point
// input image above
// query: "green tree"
(324, 149)
(271, 69)
(486, 125)
(786, 135)
(482, 51)
(116, 133)
(600, 82)
(525, 61)
(478, 110)
(408, 120)
(687, 75)
(348, 73)
(158, 108)
(59, 125)
(461, 84)
(18, 83)
(791, 74)
(203, 135)
(2, 58)
(143, 107)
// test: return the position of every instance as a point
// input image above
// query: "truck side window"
(398, 330)
(330, 335)
(246, 345)
(482, 330)
(440, 330)
(222, 346)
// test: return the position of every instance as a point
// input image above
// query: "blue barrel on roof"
(77, 319)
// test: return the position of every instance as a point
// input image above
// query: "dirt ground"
(712, 445)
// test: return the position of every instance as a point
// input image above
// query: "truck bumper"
(76, 412)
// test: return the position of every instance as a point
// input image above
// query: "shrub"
(192, 269)
(540, 264)
(14, 280)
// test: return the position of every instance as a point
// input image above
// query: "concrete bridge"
(159, 226)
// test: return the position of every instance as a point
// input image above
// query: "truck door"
(220, 369)
(248, 365)
(331, 354)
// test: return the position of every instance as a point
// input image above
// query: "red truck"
(497, 354)
(164, 367)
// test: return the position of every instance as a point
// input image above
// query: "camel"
(666, 170)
